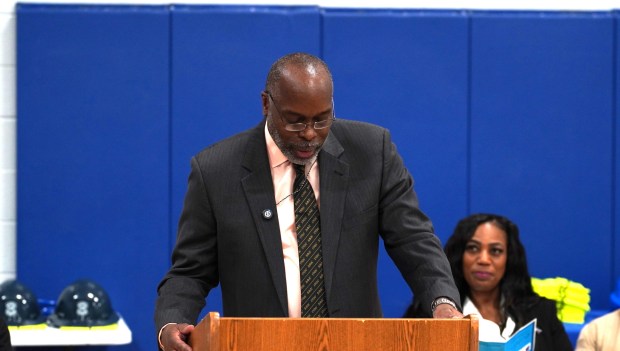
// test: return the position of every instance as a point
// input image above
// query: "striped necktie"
(307, 221)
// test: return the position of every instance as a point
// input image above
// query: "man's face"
(304, 97)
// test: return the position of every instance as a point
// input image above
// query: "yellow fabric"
(555, 285)
(572, 298)
(569, 314)
(101, 327)
(28, 327)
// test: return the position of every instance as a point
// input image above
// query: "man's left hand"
(445, 310)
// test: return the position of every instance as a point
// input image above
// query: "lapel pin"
(267, 214)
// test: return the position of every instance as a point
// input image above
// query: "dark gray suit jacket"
(365, 191)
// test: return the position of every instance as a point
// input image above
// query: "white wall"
(7, 144)
(436, 4)
(8, 116)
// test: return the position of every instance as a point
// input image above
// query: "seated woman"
(602, 333)
(490, 270)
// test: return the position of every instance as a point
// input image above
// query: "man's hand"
(174, 337)
(445, 310)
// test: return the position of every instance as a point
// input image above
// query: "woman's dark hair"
(515, 286)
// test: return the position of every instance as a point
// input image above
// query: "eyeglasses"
(298, 127)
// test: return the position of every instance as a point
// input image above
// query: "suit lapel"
(258, 188)
(334, 175)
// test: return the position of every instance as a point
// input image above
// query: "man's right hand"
(174, 337)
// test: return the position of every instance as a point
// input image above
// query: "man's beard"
(289, 149)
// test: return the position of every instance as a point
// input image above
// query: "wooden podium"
(312, 334)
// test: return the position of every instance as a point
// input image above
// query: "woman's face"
(484, 258)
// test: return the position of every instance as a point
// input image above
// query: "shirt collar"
(276, 157)
(488, 330)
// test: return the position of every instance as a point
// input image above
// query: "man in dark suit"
(238, 225)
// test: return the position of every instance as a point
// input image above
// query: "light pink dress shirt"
(283, 176)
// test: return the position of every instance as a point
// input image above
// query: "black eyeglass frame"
(300, 126)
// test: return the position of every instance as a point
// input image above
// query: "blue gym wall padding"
(542, 137)
(93, 151)
(615, 237)
(506, 112)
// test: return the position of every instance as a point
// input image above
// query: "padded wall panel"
(407, 71)
(221, 56)
(114, 100)
(542, 137)
(616, 234)
(93, 190)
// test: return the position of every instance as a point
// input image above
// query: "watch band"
(442, 300)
